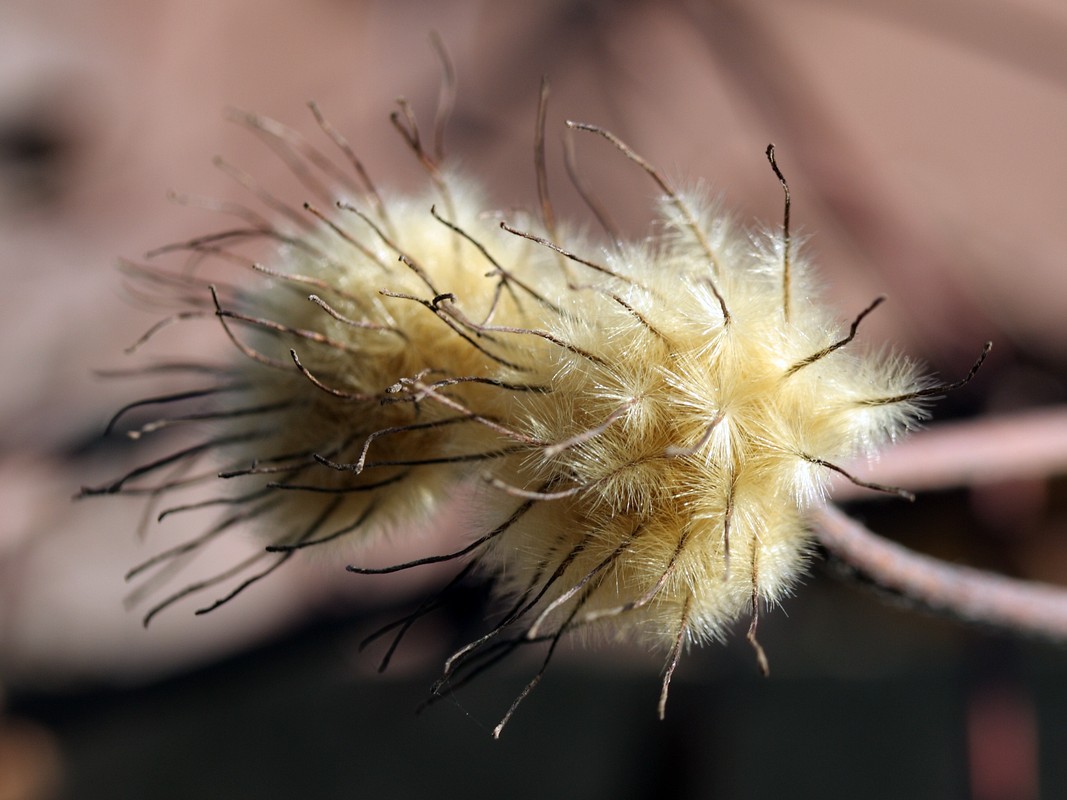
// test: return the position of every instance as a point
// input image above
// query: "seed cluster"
(644, 423)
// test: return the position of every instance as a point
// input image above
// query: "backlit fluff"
(682, 443)
(646, 423)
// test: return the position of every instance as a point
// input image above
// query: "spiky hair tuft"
(647, 423)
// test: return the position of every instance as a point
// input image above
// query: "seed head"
(647, 423)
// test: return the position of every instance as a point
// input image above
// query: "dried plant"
(648, 427)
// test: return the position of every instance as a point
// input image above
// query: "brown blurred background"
(924, 147)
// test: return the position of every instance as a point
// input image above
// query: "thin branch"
(446, 96)
(548, 214)
(787, 242)
(342, 143)
(1031, 444)
(971, 594)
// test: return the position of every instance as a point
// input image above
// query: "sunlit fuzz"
(348, 409)
(645, 424)
(380, 385)
(687, 426)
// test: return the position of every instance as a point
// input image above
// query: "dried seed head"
(360, 369)
(688, 426)
(650, 421)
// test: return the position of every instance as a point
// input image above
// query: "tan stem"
(972, 594)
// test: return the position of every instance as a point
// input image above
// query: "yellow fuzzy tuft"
(649, 422)
(686, 427)
(352, 437)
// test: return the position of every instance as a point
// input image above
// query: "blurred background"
(923, 143)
